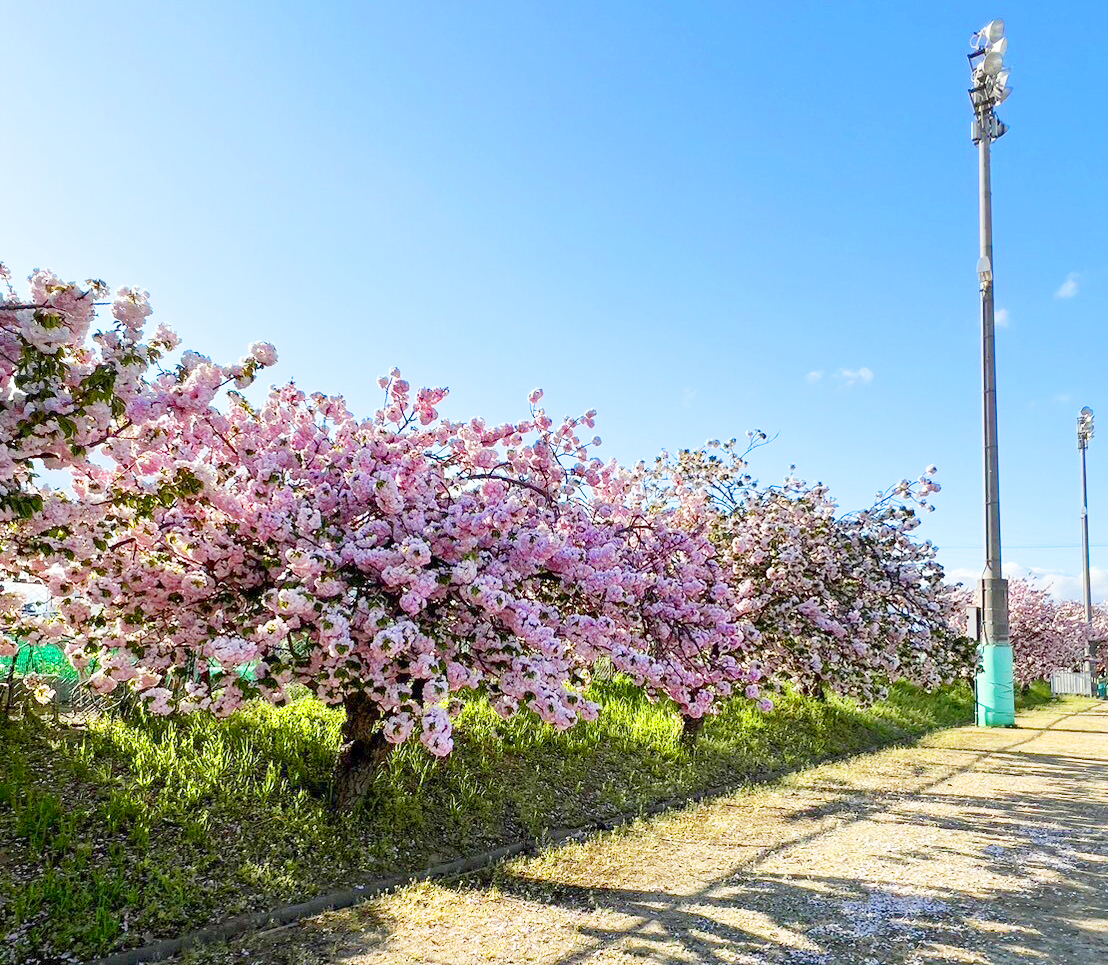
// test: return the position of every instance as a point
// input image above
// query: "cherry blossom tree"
(1046, 635)
(387, 564)
(842, 602)
(205, 554)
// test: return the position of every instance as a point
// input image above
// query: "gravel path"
(982, 846)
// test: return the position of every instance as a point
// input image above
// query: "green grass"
(129, 831)
(1037, 694)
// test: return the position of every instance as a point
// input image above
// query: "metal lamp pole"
(1084, 434)
(995, 689)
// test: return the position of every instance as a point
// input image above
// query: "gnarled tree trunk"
(363, 751)
(814, 691)
(690, 730)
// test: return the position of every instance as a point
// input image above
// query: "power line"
(1028, 546)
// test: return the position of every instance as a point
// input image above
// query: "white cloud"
(1000, 319)
(1068, 288)
(813, 377)
(849, 377)
(961, 574)
(687, 396)
(1059, 584)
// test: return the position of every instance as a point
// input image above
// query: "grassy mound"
(128, 831)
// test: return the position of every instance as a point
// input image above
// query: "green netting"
(46, 658)
(39, 658)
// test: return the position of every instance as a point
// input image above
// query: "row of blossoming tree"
(391, 564)
(844, 603)
(1048, 634)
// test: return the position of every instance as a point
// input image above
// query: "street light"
(995, 691)
(1084, 434)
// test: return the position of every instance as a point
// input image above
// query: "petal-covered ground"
(976, 846)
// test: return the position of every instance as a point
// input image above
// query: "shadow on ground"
(1049, 902)
(987, 847)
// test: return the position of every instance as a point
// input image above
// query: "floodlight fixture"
(1084, 426)
(989, 34)
(992, 63)
(992, 31)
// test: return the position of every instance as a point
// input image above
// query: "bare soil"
(974, 846)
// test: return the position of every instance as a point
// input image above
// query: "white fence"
(1071, 682)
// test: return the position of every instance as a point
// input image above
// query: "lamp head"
(1085, 424)
(992, 31)
(988, 35)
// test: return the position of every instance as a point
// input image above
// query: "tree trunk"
(813, 691)
(363, 751)
(690, 730)
(9, 691)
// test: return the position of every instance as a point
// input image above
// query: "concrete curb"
(255, 921)
(286, 914)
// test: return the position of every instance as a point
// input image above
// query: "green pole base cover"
(996, 694)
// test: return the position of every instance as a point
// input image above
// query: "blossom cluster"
(79, 392)
(1045, 634)
(68, 388)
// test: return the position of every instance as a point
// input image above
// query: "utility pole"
(995, 688)
(1084, 434)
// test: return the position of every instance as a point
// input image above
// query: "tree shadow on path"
(1037, 890)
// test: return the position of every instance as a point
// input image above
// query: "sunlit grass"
(143, 828)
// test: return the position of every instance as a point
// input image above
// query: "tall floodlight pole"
(995, 691)
(1084, 434)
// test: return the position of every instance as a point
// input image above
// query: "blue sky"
(675, 213)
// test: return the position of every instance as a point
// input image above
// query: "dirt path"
(985, 846)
